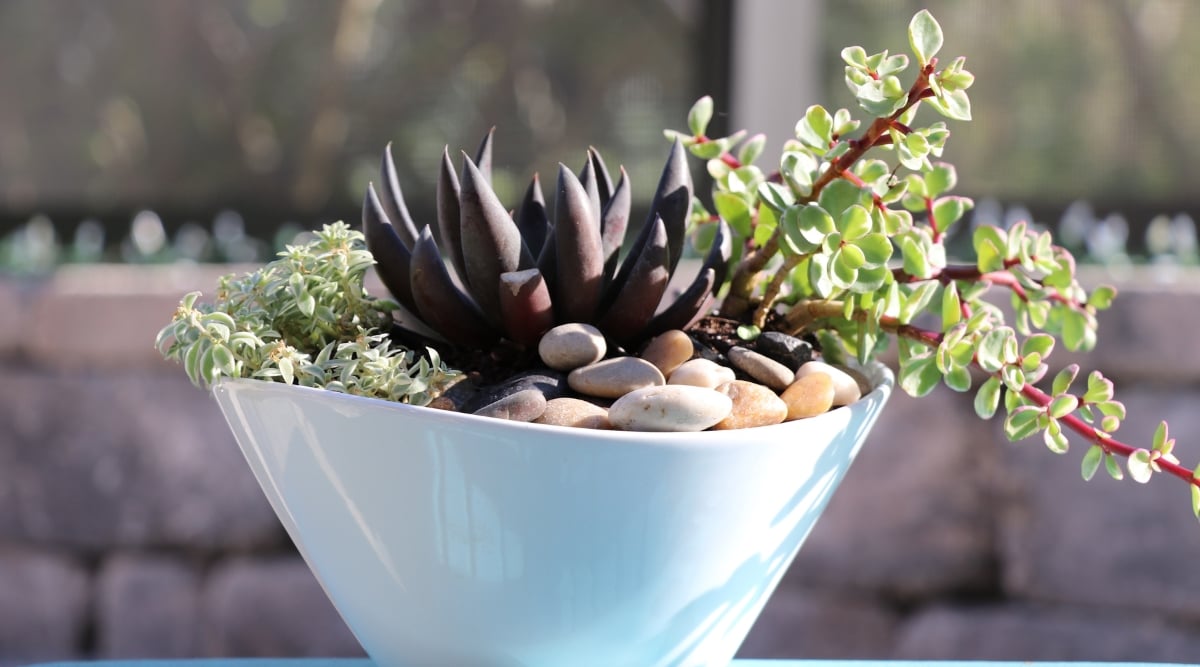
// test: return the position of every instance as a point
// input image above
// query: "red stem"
(973, 274)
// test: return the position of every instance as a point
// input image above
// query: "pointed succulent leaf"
(688, 306)
(483, 156)
(1091, 462)
(392, 257)
(603, 179)
(392, 199)
(696, 298)
(634, 306)
(448, 215)
(591, 185)
(532, 220)
(491, 242)
(440, 303)
(525, 307)
(613, 224)
(673, 201)
(579, 278)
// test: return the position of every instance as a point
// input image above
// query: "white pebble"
(669, 408)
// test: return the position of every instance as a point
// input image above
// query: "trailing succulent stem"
(512, 278)
(845, 242)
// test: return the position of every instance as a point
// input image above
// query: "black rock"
(551, 384)
(787, 350)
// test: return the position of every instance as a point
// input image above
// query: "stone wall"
(130, 526)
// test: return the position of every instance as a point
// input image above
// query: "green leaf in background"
(855, 223)
(732, 209)
(1055, 439)
(1101, 297)
(1064, 378)
(855, 56)
(1063, 405)
(1113, 467)
(699, 116)
(1196, 500)
(941, 179)
(753, 148)
(951, 306)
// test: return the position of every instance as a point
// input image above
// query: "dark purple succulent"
(515, 277)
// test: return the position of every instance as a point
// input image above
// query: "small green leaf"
(733, 209)
(753, 148)
(855, 223)
(1054, 438)
(748, 331)
(286, 370)
(1196, 500)
(1062, 405)
(876, 248)
(1113, 467)
(1102, 297)
(958, 379)
(949, 210)
(925, 36)
(1139, 466)
(843, 268)
(942, 178)
(699, 115)
(775, 195)
(919, 375)
(1159, 443)
(821, 123)
(951, 306)
(1091, 462)
(1022, 422)
(223, 359)
(1099, 388)
(955, 105)
(916, 263)
(1040, 344)
(855, 56)
(1064, 378)
(987, 399)
(990, 352)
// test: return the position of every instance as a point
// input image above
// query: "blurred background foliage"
(238, 122)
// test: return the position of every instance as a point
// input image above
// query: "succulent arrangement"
(841, 248)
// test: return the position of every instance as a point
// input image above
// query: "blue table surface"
(363, 662)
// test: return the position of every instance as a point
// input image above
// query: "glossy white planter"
(450, 539)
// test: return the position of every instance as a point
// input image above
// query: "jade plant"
(842, 244)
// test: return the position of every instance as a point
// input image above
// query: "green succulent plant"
(520, 275)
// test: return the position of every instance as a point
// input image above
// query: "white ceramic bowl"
(451, 539)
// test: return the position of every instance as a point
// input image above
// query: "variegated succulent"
(482, 274)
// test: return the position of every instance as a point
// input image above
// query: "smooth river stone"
(613, 378)
(787, 350)
(574, 412)
(674, 407)
(809, 396)
(846, 390)
(761, 367)
(523, 406)
(668, 350)
(569, 346)
(702, 373)
(753, 405)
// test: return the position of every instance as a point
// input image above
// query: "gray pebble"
(569, 346)
(523, 406)
(551, 384)
(675, 407)
(762, 368)
(613, 378)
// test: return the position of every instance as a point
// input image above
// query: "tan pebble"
(761, 367)
(701, 373)
(569, 346)
(846, 389)
(669, 408)
(574, 412)
(753, 405)
(613, 378)
(809, 396)
(668, 350)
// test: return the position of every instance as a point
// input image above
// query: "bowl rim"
(885, 382)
